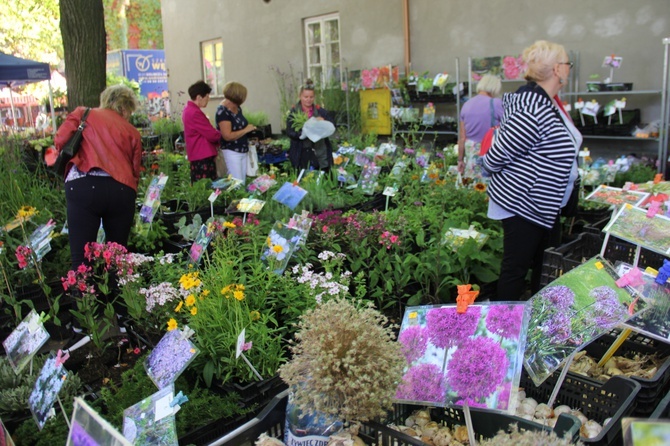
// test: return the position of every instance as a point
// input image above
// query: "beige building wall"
(258, 35)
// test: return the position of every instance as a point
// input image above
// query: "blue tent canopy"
(16, 71)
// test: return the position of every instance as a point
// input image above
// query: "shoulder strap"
(83, 119)
(493, 114)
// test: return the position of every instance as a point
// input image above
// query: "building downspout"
(408, 58)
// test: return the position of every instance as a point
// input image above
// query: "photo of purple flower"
(447, 328)
(569, 312)
(423, 382)
(654, 318)
(477, 368)
(505, 320)
(79, 437)
(414, 342)
(87, 428)
(170, 358)
(457, 358)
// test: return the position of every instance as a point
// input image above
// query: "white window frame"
(218, 81)
(325, 63)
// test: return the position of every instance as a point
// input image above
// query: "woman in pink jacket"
(201, 138)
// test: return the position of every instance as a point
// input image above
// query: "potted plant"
(345, 366)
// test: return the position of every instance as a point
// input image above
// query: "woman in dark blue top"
(234, 128)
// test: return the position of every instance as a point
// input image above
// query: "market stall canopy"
(16, 71)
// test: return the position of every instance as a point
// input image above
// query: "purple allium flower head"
(503, 396)
(557, 327)
(423, 382)
(560, 296)
(505, 320)
(607, 311)
(413, 341)
(447, 328)
(477, 368)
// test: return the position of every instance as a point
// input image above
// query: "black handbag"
(71, 147)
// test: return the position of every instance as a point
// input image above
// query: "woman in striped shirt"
(533, 167)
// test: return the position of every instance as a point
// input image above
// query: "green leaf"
(208, 373)
(414, 300)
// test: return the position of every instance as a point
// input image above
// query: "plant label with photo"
(472, 358)
(205, 235)
(88, 428)
(152, 419)
(577, 307)
(46, 388)
(170, 358)
(633, 225)
(152, 200)
(26, 339)
(290, 195)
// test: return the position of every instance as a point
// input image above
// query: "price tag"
(163, 408)
(599, 265)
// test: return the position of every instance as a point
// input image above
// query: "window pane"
(314, 55)
(334, 56)
(212, 65)
(332, 30)
(314, 34)
(315, 74)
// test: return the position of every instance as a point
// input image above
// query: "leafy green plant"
(259, 118)
(299, 120)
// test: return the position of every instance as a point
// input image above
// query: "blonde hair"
(235, 92)
(120, 99)
(540, 58)
(490, 84)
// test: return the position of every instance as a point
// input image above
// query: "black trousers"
(523, 248)
(92, 200)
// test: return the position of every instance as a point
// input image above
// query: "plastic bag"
(317, 129)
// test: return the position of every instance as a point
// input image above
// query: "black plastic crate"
(614, 399)
(663, 408)
(255, 393)
(557, 261)
(486, 424)
(204, 435)
(653, 389)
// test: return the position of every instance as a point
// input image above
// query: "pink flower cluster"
(23, 255)
(388, 239)
(78, 280)
(113, 255)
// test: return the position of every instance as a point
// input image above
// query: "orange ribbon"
(466, 297)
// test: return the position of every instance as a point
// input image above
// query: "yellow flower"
(178, 309)
(480, 187)
(226, 289)
(204, 294)
(194, 311)
(239, 295)
(26, 212)
(190, 300)
(254, 315)
(227, 224)
(277, 248)
(172, 324)
(240, 287)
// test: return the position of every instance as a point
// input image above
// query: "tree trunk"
(82, 25)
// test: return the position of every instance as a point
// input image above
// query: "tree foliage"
(30, 30)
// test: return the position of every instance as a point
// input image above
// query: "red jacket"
(109, 143)
(201, 138)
